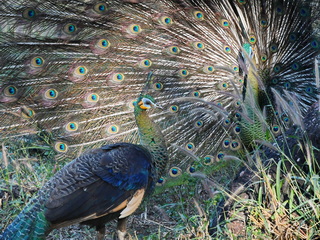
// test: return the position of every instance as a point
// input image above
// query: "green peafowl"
(69, 72)
(102, 184)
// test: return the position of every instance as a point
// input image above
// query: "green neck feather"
(152, 139)
(254, 130)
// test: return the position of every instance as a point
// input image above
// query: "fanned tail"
(70, 72)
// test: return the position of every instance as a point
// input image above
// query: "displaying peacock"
(70, 71)
(100, 185)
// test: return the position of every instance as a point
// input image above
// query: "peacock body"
(102, 184)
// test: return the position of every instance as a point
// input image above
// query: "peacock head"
(145, 102)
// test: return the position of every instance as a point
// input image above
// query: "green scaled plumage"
(151, 137)
(69, 72)
(100, 185)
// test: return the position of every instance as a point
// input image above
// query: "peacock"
(222, 70)
(70, 72)
(100, 185)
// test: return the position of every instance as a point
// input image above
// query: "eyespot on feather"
(10, 91)
(173, 50)
(51, 94)
(224, 23)
(37, 62)
(134, 29)
(208, 69)
(198, 124)
(191, 169)
(208, 160)
(118, 77)
(165, 20)
(70, 28)
(219, 156)
(100, 8)
(175, 172)
(183, 73)
(27, 113)
(29, 14)
(145, 63)
(174, 108)
(189, 146)
(92, 98)
(61, 147)
(198, 15)
(235, 145)
(161, 181)
(112, 129)
(157, 86)
(198, 45)
(72, 126)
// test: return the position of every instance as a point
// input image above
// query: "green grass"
(284, 202)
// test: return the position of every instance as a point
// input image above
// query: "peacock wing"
(98, 183)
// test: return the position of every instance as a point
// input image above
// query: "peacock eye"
(304, 12)
(175, 172)
(174, 108)
(70, 28)
(208, 160)
(264, 57)
(174, 50)
(103, 43)
(29, 13)
(274, 47)
(145, 63)
(72, 126)
(100, 8)
(113, 129)
(27, 113)
(92, 98)
(225, 23)
(183, 73)
(10, 91)
(118, 77)
(198, 15)
(165, 20)
(37, 62)
(220, 156)
(51, 94)
(235, 145)
(252, 39)
(61, 147)
(191, 169)
(161, 181)
(315, 44)
(134, 29)
(189, 146)
(158, 86)
(208, 69)
(227, 49)
(198, 45)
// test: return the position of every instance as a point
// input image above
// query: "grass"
(281, 202)
(284, 204)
